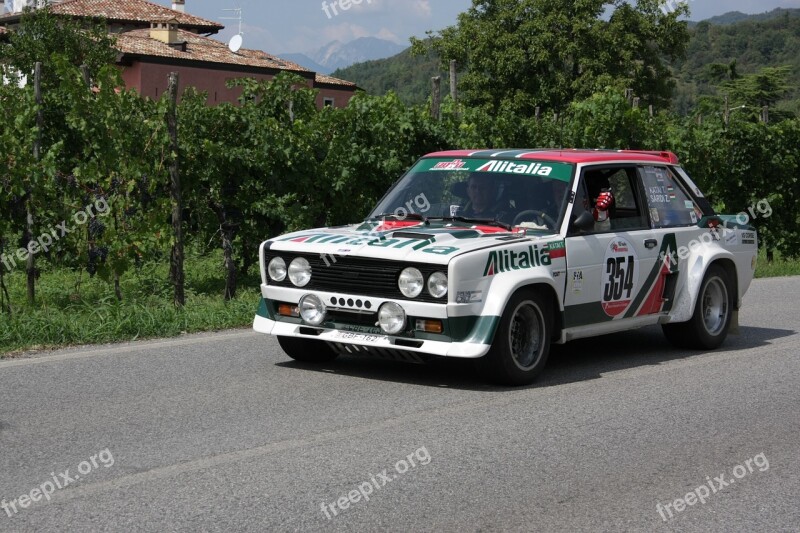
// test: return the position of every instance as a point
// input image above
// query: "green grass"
(778, 267)
(74, 309)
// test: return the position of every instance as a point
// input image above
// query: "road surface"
(223, 432)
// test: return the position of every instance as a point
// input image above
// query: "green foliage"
(548, 53)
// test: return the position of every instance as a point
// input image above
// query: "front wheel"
(307, 350)
(711, 320)
(522, 342)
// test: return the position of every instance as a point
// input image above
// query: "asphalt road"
(223, 432)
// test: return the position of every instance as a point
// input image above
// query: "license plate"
(362, 337)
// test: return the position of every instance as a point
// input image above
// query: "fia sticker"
(577, 281)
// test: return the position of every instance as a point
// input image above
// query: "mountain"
(336, 55)
(306, 62)
(732, 17)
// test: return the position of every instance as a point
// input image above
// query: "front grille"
(357, 275)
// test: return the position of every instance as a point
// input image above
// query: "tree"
(520, 54)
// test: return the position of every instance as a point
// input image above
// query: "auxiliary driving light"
(300, 272)
(312, 310)
(392, 318)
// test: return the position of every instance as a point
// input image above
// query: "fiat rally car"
(493, 255)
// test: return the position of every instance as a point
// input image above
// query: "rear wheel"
(711, 320)
(307, 350)
(522, 341)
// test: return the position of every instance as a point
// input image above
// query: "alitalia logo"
(510, 167)
(506, 260)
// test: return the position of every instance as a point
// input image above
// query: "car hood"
(412, 241)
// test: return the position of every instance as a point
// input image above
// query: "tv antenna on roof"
(236, 41)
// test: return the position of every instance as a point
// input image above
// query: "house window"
(328, 102)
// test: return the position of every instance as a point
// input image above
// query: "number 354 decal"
(620, 277)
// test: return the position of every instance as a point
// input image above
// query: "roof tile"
(131, 11)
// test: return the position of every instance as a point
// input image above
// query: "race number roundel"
(619, 278)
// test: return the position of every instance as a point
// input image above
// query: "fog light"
(312, 310)
(392, 318)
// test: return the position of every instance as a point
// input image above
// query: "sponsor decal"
(748, 237)
(469, 297)
(688, 204)
(510, 167)
(370, 240)
(620, 278)
(731, 238)
(457, 164)
(693, 217)
(506, 260)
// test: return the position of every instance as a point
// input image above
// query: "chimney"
(164, 30)
(179, 5)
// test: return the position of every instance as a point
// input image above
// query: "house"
(154, 40)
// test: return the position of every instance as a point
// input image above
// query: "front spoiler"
(466, 350)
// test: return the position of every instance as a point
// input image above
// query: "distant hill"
(752, 41)
(409, 76)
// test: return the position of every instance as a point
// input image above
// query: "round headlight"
(411, 282)
(392, 318)
(437, 284)
(312, 310)
(277, 269)
(300, 272)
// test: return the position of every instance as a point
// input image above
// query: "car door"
(609, 268)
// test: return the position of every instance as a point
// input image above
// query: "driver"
(482, 192)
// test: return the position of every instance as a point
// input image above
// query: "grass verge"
(74, 309)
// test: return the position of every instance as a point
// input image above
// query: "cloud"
(422, 8)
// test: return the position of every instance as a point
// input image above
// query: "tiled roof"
(140, 11)
(330, 80)
(199, 48)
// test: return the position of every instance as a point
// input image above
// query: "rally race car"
(493, 255)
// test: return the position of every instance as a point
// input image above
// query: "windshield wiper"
(486, 221)
(412, 216)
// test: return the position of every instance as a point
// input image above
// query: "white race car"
(492, 255)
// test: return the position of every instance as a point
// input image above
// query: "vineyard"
(93, 231)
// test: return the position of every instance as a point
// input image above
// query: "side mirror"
(584, 222)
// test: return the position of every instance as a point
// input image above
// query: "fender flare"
(698, 263)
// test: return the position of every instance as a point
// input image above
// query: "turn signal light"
(430, 326)
(288, 310)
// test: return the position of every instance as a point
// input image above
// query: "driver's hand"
(604, 201)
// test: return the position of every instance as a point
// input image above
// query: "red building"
(153, 41)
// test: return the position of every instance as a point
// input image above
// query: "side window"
(627, 212)
(669, 203)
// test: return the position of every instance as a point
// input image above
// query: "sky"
(284, 26)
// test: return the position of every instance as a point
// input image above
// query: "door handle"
(650, 243)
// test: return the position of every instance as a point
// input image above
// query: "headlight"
(411, 282)
(300, 272)
(392, 318)
(312, 310)
(277, 269)
(437, 284)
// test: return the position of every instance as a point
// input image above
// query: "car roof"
(566, 155)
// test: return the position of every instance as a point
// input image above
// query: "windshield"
(526, 193)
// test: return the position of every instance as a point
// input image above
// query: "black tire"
(708, 327)
(522, 341)
(307, 350)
